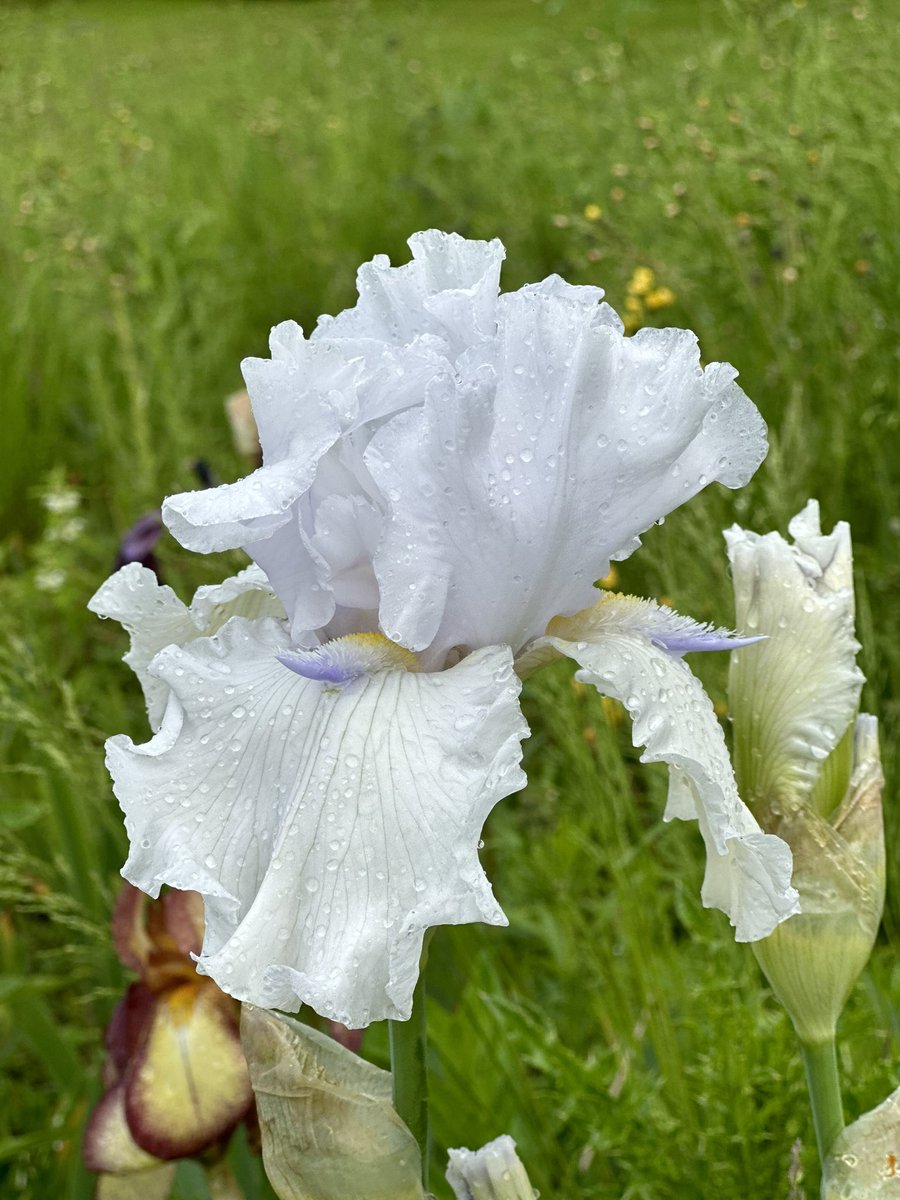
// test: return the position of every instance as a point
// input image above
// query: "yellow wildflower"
(641, 281)
(660, 297)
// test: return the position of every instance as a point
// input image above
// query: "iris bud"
(806, 764)
(494, 1172)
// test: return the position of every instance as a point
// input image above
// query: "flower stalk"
(820, 1062)
(409, 1072)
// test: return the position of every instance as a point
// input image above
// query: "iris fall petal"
(617, 645)
(326, 826)
(172, 1107)
(154, 617)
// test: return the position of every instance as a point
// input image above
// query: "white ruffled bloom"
(445, 471)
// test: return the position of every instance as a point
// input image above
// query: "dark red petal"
(129, 928)
(184, 920)
(350, 1038)
(130, 1019)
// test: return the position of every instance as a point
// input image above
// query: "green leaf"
(328, 1128)
(33, 1022)
(449, 954)
(18, 813)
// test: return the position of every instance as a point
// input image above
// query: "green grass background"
(176, 177)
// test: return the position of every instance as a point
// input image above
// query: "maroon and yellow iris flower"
(177, 1082)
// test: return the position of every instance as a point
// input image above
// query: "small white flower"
(445, 471)
(64, 501)
(67, 531)
(50, 580)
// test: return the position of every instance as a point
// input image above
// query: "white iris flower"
(446, 472)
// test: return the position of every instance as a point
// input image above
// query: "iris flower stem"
(820, 1061)
(409, 1069)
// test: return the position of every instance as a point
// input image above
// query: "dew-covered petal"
(793, 697)
(519, 479)
(302, 398)
(616, 643)
(316, 404)
(301, 394)
(154, 617)
(449, 291)
(327, 826)
(248, 511)
(188, 1085)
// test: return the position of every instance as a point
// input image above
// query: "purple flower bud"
(140, 540)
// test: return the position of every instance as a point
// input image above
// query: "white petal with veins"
(154, 617)
(616, 643)
(326, 827)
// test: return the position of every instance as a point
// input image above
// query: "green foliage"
(184, 175)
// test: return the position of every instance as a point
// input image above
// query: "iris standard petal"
(327, 826)
(251, 510)
(449, 291)
(796, 694)
(616, 643)
(549, 452)
(154, 617)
